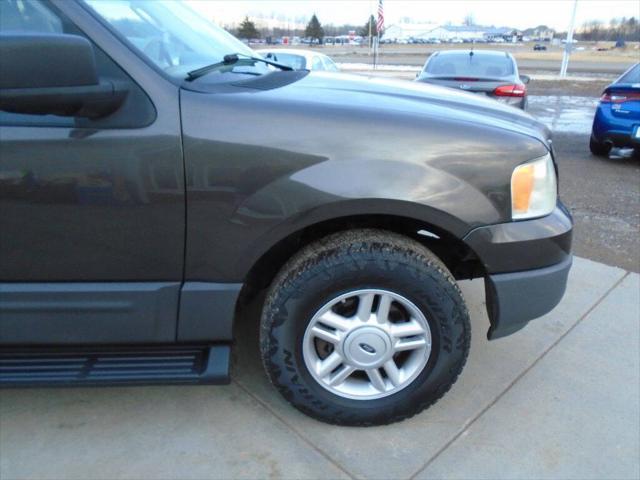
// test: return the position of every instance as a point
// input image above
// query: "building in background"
(408, 31)
(541, 33)
(462, 32)
(402, 32)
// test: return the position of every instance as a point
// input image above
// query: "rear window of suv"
(467, 65)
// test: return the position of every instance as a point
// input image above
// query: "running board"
(114, 366)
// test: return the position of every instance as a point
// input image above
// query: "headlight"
(533, 189)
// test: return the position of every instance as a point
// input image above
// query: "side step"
(114, 366)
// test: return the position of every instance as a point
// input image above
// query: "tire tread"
(352, 245)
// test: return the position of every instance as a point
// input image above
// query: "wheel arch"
(438, 231)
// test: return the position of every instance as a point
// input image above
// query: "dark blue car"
(617, 120)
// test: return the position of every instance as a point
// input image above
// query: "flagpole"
(370, 36)
(569, 45)
(379, 27)
(376, 40)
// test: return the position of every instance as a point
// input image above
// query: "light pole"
(370, 37)
(569, 45)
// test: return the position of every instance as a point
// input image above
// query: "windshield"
(173, 36)
(296, 62)
(476, 65)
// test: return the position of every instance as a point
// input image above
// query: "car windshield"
(632, 76)
(173, 36)
(477, 65)
(297, 62)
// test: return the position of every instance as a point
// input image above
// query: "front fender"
(438, 221)
(262, 165)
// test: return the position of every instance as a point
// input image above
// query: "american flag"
(380, 24)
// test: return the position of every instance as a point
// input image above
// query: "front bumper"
(527, 265)
(618, 139)
(515, 298)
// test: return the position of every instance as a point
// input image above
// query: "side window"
(28, 16)
(330, 65)
(316, 63)
(39, 16)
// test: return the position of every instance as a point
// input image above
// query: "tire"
(358, 261)
(599, 149)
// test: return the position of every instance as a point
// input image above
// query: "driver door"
(92, 212)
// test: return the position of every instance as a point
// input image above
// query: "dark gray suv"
(156, 178)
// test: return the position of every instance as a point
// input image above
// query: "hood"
(383, 96)
(345, 137)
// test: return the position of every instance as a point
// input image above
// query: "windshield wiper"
(231, 59)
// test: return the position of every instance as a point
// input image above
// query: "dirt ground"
(604, 198)
(603, 194)
(567, 87)
(585, 51)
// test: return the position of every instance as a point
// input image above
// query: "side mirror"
(54, 75)
(525, 79)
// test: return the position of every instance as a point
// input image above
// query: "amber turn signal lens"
(534, 189)
(522, 187)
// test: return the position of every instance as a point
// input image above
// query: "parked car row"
(488, 73)
(437, 41)
(295, 40)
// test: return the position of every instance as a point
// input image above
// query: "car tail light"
(510, 91)
(619, 97)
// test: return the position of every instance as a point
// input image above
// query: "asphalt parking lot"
(559, 399)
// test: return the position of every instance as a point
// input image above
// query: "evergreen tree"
(314, 29)
(634, 29)
(364, 31)
(248, 29)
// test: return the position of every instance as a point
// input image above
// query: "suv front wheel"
(365, 327)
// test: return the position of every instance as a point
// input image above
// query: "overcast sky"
(514, 13)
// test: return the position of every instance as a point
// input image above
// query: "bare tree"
(591, 30)
(469, 19)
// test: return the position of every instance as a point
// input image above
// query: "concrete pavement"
(560, 399)
(573, 415)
